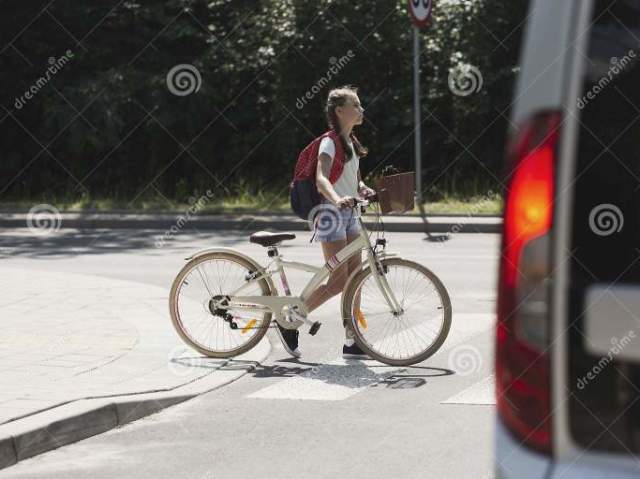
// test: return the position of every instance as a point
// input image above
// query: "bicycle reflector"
(249, 326)
(522, 358)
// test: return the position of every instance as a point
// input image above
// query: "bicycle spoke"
(204, 281)
(420, 322)
(217, 275)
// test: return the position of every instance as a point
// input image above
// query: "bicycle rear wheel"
(200, 325)
(409, 337)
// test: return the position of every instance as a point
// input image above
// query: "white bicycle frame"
(275, 304)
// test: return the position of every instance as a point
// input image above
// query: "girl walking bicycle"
(394, 310)
(335, 228)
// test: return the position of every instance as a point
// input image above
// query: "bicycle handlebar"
(365, 202)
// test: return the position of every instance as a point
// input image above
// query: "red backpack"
(304, 193)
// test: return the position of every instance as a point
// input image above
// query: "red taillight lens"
(522, 360)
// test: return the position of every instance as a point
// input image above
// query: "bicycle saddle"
(266, 238)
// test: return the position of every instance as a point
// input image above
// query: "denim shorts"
(332, 223)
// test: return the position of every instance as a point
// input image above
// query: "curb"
(255, 222)
(84, 418)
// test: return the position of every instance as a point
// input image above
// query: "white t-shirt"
(347, 184)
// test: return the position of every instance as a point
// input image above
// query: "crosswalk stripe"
(335, 381)
(482, 392)
(341, 379)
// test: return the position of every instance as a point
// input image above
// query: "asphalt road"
(315, 417)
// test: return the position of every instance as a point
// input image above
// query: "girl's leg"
(337, 278)
(355, 264)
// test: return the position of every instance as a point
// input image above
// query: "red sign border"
(420, 23)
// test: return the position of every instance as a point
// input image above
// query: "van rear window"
(605, 391)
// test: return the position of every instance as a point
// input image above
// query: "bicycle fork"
(379, 275)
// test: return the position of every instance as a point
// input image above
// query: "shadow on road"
(354, 374)
(72, 242)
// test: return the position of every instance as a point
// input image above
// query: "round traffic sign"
(420, 12)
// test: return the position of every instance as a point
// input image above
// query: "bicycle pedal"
(314, 328)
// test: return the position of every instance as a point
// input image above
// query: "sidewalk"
(82, 354)
(255, 221)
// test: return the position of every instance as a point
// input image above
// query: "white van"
(568, 330)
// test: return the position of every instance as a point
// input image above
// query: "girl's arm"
(322, 178)
(363, 190)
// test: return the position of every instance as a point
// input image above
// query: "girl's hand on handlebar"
(366, 192)
(345, 202)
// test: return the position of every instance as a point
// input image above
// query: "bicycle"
(239, 307)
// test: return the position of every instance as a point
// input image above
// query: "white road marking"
(482, 392)
(465, 326)
(341, 379)
(335, 381)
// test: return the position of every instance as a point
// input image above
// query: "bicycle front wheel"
(412, 335)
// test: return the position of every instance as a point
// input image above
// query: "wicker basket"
(396, 192)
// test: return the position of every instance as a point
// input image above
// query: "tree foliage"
(106, 124)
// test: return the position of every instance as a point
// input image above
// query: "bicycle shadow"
(196, 361)
(357, 374)
(350, 373)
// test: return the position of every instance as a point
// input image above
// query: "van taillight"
(522, 357)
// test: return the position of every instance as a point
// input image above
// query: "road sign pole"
(420, 12)
(416, 108)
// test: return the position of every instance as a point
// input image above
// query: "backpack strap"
(338, 159)
(314, 228)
